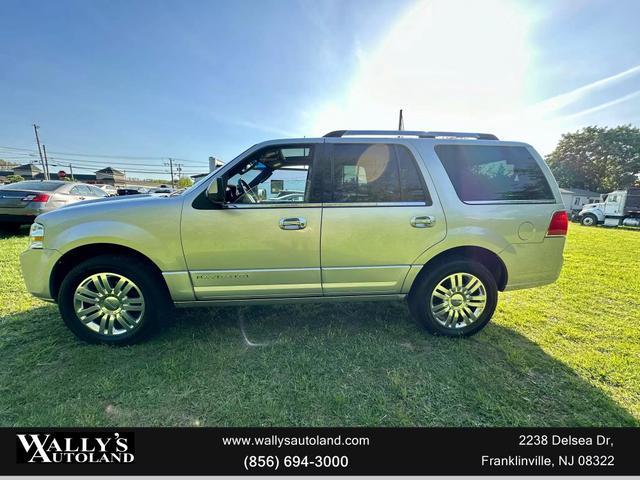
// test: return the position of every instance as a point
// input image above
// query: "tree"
(14, 178)
(595, 158)
(184, 182)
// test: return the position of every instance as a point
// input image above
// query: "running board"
(289, 300)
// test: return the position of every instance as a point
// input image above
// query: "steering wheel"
(246, 191)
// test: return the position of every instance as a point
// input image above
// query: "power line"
(100, 155)
(121, 164)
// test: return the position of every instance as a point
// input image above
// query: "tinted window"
(410, 178)
(485, 173)
(43, 186)
(365, 173)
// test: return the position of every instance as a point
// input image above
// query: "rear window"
(489, 173)
(43, 186)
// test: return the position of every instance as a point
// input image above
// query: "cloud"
(455, 65)
(560, 101)
(604, 106)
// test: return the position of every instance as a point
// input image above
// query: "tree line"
(599, 159)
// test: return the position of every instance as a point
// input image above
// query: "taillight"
(36, 197)
(559, 224)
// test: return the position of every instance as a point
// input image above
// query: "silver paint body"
(241, 254)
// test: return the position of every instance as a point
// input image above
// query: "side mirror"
(216, 191)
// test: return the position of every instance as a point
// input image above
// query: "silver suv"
(442, 219)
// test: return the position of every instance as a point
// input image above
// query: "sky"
(131, 83)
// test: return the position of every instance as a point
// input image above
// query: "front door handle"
(423, 222)
(294, 223)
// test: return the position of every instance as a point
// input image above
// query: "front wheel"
(112, 299)
(589, 220)
(454, 299)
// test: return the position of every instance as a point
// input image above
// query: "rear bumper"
(533, 264)
(37, 265)
(25, 215)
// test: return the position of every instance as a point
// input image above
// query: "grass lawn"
(563, 355)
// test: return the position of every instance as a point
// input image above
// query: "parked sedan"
(22, 202)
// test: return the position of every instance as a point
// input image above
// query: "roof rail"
(412, 133)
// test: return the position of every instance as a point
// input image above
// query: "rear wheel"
(111, 299)
(589, 220)
(454, 299)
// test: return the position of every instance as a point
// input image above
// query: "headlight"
(36, 236)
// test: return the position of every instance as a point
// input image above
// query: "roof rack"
(412, 133)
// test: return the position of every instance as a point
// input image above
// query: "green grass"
(563, 355)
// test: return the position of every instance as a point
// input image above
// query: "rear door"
(378, 216)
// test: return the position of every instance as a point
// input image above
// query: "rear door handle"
(423, 222)
(294, 223)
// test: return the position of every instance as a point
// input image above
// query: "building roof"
(579, 191)
(28, 166)
(110, 170)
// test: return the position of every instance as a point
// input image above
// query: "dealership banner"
(320, 451)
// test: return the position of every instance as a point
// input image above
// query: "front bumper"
(37, 265)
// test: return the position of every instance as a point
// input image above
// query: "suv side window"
(411, 181)
(375, 173)
(494, 173)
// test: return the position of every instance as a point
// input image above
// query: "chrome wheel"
(458, 300)
(108, 304)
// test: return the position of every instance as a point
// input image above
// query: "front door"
(265, 242)
(378, 217)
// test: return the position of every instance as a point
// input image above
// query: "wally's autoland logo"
(76, 447)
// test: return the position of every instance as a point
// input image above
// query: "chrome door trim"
(242, 206)
(252, 270)
(374, 204)
(366, 267)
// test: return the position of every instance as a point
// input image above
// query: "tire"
(123, 300)
(589, 220)
(464, 299)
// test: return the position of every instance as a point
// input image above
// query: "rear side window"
(494, 173)
(365, 173)
(411, 184)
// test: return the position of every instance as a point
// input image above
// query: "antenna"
(400, 121)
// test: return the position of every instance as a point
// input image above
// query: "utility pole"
(46, 162)
(71, 171)
(44, 171)
(170, 165)
(400, 121)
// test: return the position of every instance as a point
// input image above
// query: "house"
(575, 198)
(28, 171)
(106, 176)
(110, 176)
